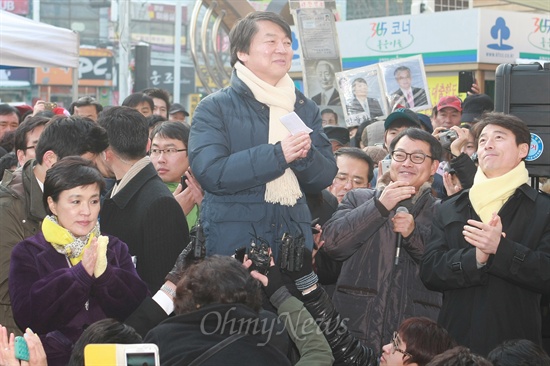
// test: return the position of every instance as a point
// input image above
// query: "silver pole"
(177, 54)
(123, 49)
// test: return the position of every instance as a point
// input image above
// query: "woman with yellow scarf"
(67, 276)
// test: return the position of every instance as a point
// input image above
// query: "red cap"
(450, 102)
(23, 108)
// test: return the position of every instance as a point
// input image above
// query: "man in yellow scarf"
(490, 247)
(253, 171)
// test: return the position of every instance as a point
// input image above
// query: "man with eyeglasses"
(169, 156)
(379, 286)
(86, 107)
(355, 170)
(26, 138)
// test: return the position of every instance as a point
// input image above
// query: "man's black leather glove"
(183, 261)
(305, 277)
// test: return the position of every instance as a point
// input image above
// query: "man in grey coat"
(380, 235)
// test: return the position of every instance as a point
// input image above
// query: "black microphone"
(399, 236)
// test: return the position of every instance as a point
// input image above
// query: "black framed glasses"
(416, 158)
(395, 345)
(170, 151)
(343, 179)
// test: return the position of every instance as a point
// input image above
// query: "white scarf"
(280, 98)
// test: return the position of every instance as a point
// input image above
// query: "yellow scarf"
(488, 195)
(280, 98)
(64, 242)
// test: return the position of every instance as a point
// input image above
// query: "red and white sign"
(20, 7)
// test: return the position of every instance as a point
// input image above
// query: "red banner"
(20, 7)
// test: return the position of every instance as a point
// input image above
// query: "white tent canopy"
(26, 43)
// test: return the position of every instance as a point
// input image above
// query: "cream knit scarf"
(130, 174)
(280, 98)
(488, 195)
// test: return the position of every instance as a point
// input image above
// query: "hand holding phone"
(21, 349)
(385, 165)
(183, 183)
(465, 81)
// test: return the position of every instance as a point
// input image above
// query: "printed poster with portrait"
(362, 94)
(405, 83)
(321, 56)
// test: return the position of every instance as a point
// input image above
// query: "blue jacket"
(231, 158)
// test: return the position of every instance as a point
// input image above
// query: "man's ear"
(434, 166)
(49, 159)
(20, 156)
(107, 154)
(242, 57)
(523, 150)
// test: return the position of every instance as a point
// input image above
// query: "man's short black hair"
(6, 109)
(357, 153)
(29, 124)
(417, 134)
(160, 94)
(172, 130)
(135, 99)
(128, 131)
(85, 101)
(73, 135)
(508, 121)
(242, 33)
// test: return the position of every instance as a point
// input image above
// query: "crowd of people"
(412, 240)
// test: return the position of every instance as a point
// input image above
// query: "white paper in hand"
(294, 123)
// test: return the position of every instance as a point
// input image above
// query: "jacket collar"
(213, 314)
(35, 202)
(126, 194)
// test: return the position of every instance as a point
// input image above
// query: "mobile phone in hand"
(239, 254)
(21, 349)
(465, 81)
(183, 183)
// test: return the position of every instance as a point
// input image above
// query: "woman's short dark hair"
(424, 339)
(68, 173)
(216, 280)
(172, 130)
(103, 331)
(417, 134)
(519, 352)
(242, 33)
